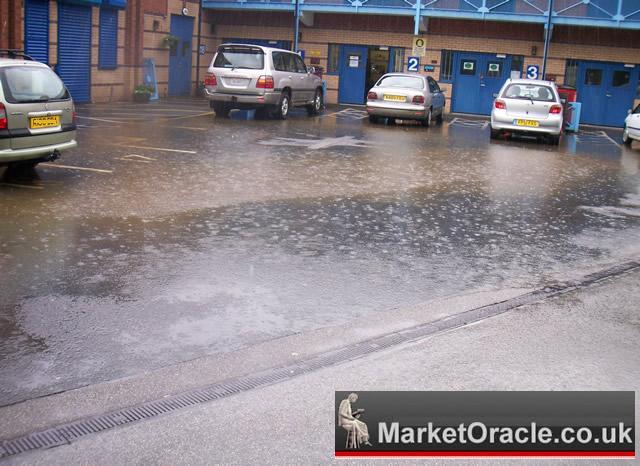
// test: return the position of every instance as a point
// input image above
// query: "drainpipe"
(296, 25)
(416, 29)
(198, 42)
(547, 38)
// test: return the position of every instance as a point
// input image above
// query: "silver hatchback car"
(271, 80)
(37, 116)
(528, 106)
(406, 97)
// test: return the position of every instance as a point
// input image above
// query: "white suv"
(271, 80)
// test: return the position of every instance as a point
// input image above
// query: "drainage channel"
(66, 433)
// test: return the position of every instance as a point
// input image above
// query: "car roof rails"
(15, 53)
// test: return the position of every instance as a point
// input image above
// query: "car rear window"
(24, 84)
(529, 92)
(401, 81)
(249, 58)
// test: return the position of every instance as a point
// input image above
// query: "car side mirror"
(443, 91)
(311, 70)
(629, 112)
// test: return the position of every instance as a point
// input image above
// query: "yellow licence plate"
(44, 122)
(395, 98)
(530, 123)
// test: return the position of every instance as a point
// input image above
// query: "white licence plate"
(237, 81)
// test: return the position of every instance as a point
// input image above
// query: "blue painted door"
(74, 49)
(478, 78)
(353, 74)
(606, 91)
(36, 29)
(180, 55)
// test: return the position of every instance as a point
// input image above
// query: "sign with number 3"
(533, 71)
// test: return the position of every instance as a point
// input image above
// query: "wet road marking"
(595, 137)
(469, 123)
(158, 148)
(72, 167)
(136, 158)
(344, 141)
(16, 185)
(192, 127)
(191, 116)
(98, 119)
(350, 113)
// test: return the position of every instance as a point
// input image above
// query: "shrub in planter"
(142, 93)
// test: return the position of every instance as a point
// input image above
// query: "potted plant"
(142, 93)
(169, 41)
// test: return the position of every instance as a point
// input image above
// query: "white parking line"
(98, 119)
(158, 148)
(191, 127)
(71, 167)
(138, 157)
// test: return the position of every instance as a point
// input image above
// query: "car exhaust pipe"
(55, 155)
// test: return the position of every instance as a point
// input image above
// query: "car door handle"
(608, 95)
(483, 85)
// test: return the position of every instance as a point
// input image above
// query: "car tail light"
(419, 99)
(555, 109)
(265, 82)
(3, 117)
(74, 114)
(372, 96)
(210, 80)
(500, 105)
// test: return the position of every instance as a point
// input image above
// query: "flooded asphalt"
(169, 235)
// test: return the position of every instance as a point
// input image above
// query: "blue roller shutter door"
(36, 29)
(108, 44)
(74, 49)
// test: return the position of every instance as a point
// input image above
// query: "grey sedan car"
(406, 97)
(527, 106)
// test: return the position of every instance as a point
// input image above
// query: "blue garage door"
(353, 74)
(180, 56)
(36, 29)
(74, 49)
(606, 91)
(477, 79)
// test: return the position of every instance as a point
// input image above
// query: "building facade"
(104, 48)
(469, 46)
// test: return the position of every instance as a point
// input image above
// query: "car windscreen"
(536, 92)
(401, 81)
(26, 84)
(249, 58)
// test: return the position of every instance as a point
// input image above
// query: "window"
(402, 81)
(24, 84)
(621, 78)
(571, 73)
(433, 86)
(446, 66)
(333, 59)
(494, 69)
(108, 48)
(398, 60)
(529, 92)
(593, 77)
(468, 67)
(517, 64)
(278, 61)
(249, 58)
(301, 67)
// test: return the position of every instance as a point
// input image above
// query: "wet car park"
(169, 234)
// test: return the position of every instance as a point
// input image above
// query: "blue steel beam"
(597, 13)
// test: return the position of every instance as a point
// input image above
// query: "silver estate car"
(270, 80)
(37, 116)
(528, 106)
(406, 97)
(632, 127)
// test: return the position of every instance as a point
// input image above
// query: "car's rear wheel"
(281, 111)
(495, 134)
(626, 139)
(440, 117)
(222, 110)
(314, 108)
(427, 121)
(373, 119)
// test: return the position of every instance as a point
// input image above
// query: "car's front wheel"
(282, 109)
(314, 108)
(222, 110)
(626, 139)
(427, 121)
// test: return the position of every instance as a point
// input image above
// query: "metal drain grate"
(66, 433)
